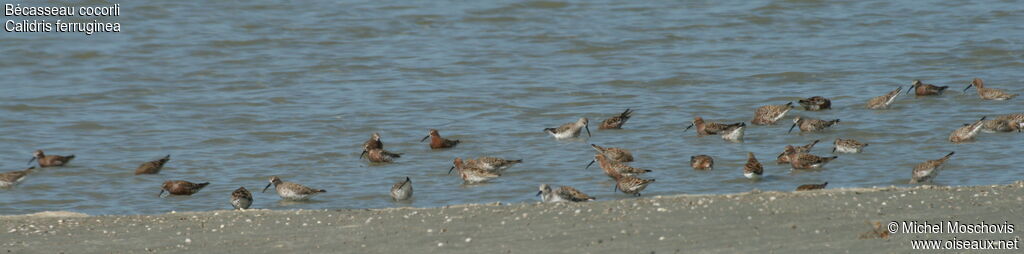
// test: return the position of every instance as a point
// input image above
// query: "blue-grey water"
(238, 91)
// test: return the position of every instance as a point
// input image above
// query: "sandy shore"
(815, 221)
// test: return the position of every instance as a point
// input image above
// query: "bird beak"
(362, 154)
(688, 127)
(833, 150)
(161, 193)
(539, 192)
(588, 130)
(588, 165)
(31, 160)
(968, 87)
(424, 138)
(450, 170)
(268, 186)
(791, 128)
(911, 88)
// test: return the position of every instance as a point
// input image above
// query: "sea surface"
(238, 91)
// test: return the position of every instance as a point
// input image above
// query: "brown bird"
(769, 114)
(711, 128)
(922, 89)
(1014, 121)
(784, 156)
(989, 93)
(996, 125)
(180, 187)
(292, 191)
(381, 156)
(847, 146)
(50, 160)
(437, 142)
(616, 122)
(492, 164)
(614, 154)
(372, 143)
(562, 194)
(966, 133)
(12, 178)
(241, 198)
(570, 130)
(753, 168)
(402, 190)
(615, 169)
(807, 187)
(631, 185)
(811, 124)
(816, 103)
(882, 102)
(702, 162)
(470, 174)
(152, 167)
(806, 160)
(928, 170)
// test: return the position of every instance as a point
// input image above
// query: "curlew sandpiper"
(471, 174)
(816, 103)
(967, 132)
(883, 102)
(12, 178)
(402, 190)
(562, 194)
(805, 160)
(989, 93)
(810, 124)
(753, 168)
(702, 162)
(631, 184)
(847, 146)
(614, 153)
(381, 156)
(616, 122)
(152, 167)
(437, 142)
(179, 187)
(769, 114)
(807, 187)
(784, 156)
(615, 169)
(292, 191)
(569, 130)
(241, 198)
(928, 170)
(50, 160)
(734, 133)
(492, 164)
(372, 143)
(922, 89)
(711, 128)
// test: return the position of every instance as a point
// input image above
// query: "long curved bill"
(268, 186)
(588, 165)
(540, 192)
(450, 170)
(911, 88)
(968, 87)
(688, 127)
(361, 155)
(791, 128)
(31, 160)
(161, 193)
(424, 138)
(588, 130)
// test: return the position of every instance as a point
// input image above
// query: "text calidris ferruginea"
(816, 103)
(50, 160)
(784, 156)
(805, 160)
(967, 132)
(922, 89)
(614, 153)
(847, 146)
(372, 143)
(810, 124)
(381, 156)
(710, 128)
(12, 178)
(241, 198)
(883, 102)
(179, 187)
(152, 167)
(562, 194)
(292, 191)
(471, 174)
(616, 122)
(753, 168)
(402, 190)
(631, 184)
(569, 130)
(615, 169)
(989, 93)
(928, 170)
(437, 142)
(807, 187)
(769, 114)
(702, 162)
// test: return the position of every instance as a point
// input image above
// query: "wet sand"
(826, 220)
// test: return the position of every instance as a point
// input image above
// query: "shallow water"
(239, 91)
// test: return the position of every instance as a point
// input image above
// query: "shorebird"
(614, 154)
(710, 128)
(152, 167)
(179, 187)
(241, 198)
(614, 169)
(816, 103)
(493, 164)
(769, 114)
(402, 190)
(806, 160)
(807, 187)
(616, 122)
(784, 156)
(928, 170)
(922, 89)
(631, 185)
(989, 93)
(1014, 121)
(882, 102)
(372, 143)
(291, 191)
(12, 178)
(734, 133)
(569, 130)
(702, 162)
(753, 168)
(966, 133)
(562, 194)
(50, 160)
(811, 124)
(470, 174)
(381, 155)
(847, 146)
(996, 125)
(437, 142)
